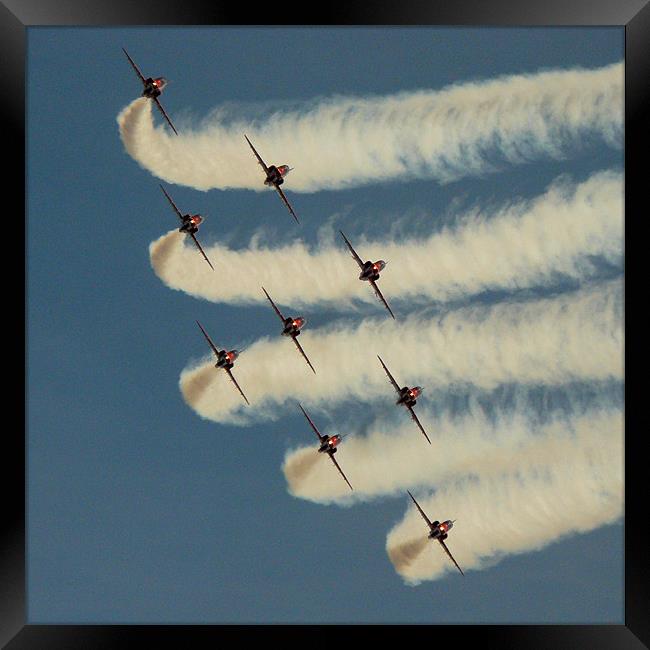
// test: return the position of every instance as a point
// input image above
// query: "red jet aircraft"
(438, 531)
(327, 444)
(407, 397)
(292, 327)
(275, 177)
(369, 272)
(152, 88)
(225, 360)
(190, 225)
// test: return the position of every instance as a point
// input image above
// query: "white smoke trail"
(574, 486)
(525, 244)
(394, 457)
(574, 336)
(345, 142)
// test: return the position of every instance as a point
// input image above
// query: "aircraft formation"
(292, 326)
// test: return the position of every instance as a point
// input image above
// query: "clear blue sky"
(138, 510)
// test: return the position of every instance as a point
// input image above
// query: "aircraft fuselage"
(409, 396)
(329, 444)
(440, 530)
(224, 363)
(371, 270)
(292, 326)
(275, 175)
(226, 359)
(191, 223)
(408, 401)
(153, 87)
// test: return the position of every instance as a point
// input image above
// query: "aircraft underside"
(369, 276)
(151, 92)
(326, 448)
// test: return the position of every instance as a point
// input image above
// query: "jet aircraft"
(292, 327)
(328, 445)
(225, 360)
(438, 531)
(274, 177)
(369, 272)
(189, 225)
(407, 397)
(153, 87)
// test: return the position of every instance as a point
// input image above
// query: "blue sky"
(139, 511)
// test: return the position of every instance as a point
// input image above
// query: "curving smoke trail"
(575, 487)
(524, 244)
(512, 484)
(575, 336)
(393, 456)
(345, 142)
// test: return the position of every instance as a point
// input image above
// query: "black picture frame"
(17, 15)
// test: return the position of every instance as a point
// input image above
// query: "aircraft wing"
(234, 381)
(277, 311)
(421, 511)
(259, 158)
(451, 557)
(354, 253)
(135, 67)
(340, 470)
(313, 426)
(381, 297)
(196, 241)
(209, 340)
(415, 419)
(284, 199)
(295, 340)
(162, 110)
(171, 202)
(392, 380)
